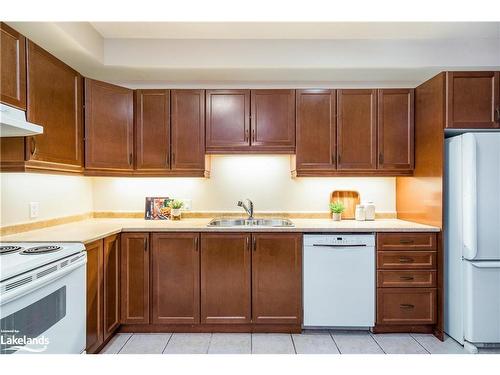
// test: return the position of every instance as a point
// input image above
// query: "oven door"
(46, 315)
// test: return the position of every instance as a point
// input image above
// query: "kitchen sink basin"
(250, 223)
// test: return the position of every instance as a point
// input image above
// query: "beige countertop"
(93, 229)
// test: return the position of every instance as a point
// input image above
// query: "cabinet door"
(54, 102)
(13, 67)
(152, 130)
(273, 120)
(175, 278)
(188, 129)
(135, 278)
(316, 118)
(277, 278)
(395, 129)
(111, 285)
(356, 129)
(227, 120)
(225, 278)
(94, 296)
(472, 100)
(108, 126)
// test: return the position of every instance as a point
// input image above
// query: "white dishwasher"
(339, 280)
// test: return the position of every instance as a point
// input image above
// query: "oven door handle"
(38, 283)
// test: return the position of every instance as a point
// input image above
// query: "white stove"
(42, 298)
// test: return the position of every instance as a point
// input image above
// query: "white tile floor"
(309, 342)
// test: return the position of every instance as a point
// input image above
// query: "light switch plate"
(34, 209)
(188, 204)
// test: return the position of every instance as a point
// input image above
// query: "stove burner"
(7, 249)
(40, 250)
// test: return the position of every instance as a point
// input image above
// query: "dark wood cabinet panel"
(227, 120)
(277, 278)
(188, 129)
(406, 306)
(94, 296)
(406, 241)
(13, 67)
(225, 278)
(111, 272)
(273, 120)
(108, 127)
(134, 278)
(472, 100)
(316, 129)
(356, 129)
(395, 128)
(54, 102)
(406, 259)
(175, 278)
(152, 130)
(406, 279)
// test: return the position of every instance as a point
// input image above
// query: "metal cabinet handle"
(407, 278)
(405, 260)
(407, 306)
(196, 243)
(406, 241)
(248, 243)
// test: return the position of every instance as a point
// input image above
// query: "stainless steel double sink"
(222, 222)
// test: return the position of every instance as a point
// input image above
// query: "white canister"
(369, 211)
(360, 212)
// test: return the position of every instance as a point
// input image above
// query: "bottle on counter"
(360, 212)
(369, 210)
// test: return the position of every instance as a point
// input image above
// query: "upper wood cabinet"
(277, 278)
(356, 129)
(316, 122)
(473, 100)
(273, 120)
(111, 279)
(225, 278)
(395, 129)
(134, 278)
(227, 120)
(175, 278)
(152, 130)
(188, 130)
(94, 326)
(13, 67)
(108, 128)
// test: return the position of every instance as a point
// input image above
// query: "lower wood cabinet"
(225, 278)
(134, 278)
(103, 293)
(175, 278)
(277, 278)
(406, 306)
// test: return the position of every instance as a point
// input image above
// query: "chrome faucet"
(248, 209)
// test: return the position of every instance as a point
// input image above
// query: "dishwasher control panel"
(339, 239)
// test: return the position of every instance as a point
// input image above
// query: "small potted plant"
(336, 208)
(176, 206)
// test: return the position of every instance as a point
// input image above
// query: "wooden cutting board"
(349, 198)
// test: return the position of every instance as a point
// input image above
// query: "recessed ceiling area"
(268, 54)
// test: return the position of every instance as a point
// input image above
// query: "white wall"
(264, 179)
(58, 196)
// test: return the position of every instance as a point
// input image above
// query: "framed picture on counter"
(157, 208)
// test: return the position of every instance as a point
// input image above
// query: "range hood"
(13, 123)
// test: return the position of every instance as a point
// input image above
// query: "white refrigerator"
(472, 239)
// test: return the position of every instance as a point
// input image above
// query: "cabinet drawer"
(406, 259)
(406, 279)
(406, 306)
(406, 241)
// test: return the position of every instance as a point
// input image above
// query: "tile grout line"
(125, 343)
(335, 342)
(293, 343)
(209, 342)
(251, 342)
(419, 343)
(169, 338)
(376, 342)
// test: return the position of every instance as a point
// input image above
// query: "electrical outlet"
(188, 203)
(34, 209)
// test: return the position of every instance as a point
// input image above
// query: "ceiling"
(272, 54)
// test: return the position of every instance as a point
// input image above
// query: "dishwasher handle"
(326, 245)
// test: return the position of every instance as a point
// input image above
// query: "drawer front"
(406, 241)
(406, 306)
(406, 279)
(403, 260)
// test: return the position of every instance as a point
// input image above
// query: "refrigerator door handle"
(487, 264)
(469, 199)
